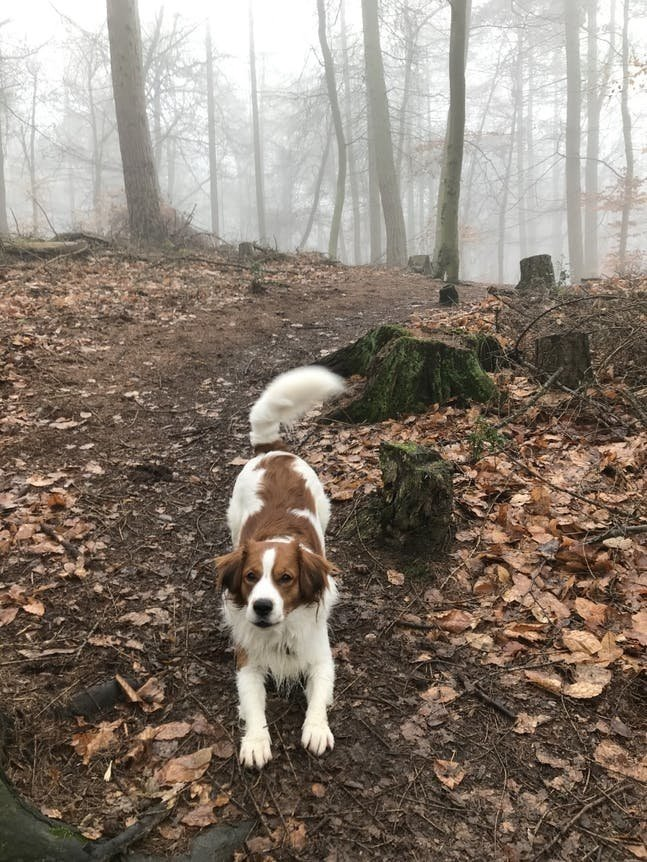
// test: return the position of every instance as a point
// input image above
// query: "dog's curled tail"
(288, 397)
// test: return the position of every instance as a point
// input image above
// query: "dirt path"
(127, 387)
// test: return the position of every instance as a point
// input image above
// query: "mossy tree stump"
(409, 374)
(537, 276)
(358, 357)
(417, 497)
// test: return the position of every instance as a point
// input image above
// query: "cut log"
(420, 263)
(448, 295)
(568, 351)
(537, 276)
(30, 249)
(409, 374)
(358, 357)
(417, 497)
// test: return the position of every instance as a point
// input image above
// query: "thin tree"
(331, 86)
(627, 138)
(4, 224)
(446, 253)
(592, 144)
(140, 178)
(211, 123)
(258, 152)
(573, 134)
(380, 135)
(350, 147)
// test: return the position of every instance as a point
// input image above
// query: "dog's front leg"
(316, 735)
(255, 746)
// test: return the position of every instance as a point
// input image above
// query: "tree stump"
(417, 497)
(568, 351)
(420, 263)
(537, 276)
(409, 374)
(488, 351)
(358, 357)
(448, 295)
(246, 251)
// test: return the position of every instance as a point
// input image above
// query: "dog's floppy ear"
(229, 571)
(313, 574)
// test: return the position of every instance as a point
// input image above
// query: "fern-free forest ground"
(490, 704)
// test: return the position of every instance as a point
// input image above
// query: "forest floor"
(489, 705)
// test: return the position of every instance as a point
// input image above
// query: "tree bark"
(140, 179)
(573, 134)
(331, 86)
(211, 123)
(592, 145)
(380, 131)
(446, 253)
(258, 151)
(4, 224)
(627, 137)
(317, 190)
(350, 147)
(568, 351)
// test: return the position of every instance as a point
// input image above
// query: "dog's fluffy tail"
(288, 397)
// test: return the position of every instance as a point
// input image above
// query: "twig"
(590, 298)
(474, 687)
(51, 532)
(589, 805)
(105, 850)
(553, 377)
(612, 532)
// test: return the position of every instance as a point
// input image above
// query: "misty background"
(61, 165)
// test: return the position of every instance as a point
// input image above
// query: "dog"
(277, 586)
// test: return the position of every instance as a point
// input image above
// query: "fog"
(62, 168)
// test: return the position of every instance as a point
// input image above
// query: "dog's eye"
(285, 578)
(250, 577)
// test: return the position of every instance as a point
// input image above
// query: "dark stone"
(448, 295)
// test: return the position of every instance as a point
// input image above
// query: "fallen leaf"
(638, 630)
(594, 614)
(395, 578)
(615, 758)
(7, 615)
(455, 621)
(200, 816)
(318, 790)
(550, 682)
(526, 723)
(581, 641)
(91, 742)
(440, 694)
(449, 772)
(182, 770)
(173, 730)
(34, 607)
(590, 681)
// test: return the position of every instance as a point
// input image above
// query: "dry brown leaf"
(532, 632)
(182, 770)
(526, 723)
(201, 816)
(394, 577)
(318, 790)
(91, 742)
(172, 730)
(615, 758)
(638, 630)
(449, 772)
(594, 614)
(7, 615)
(137, 618)
(590, 681)
(440, 694)
(639, 851)
(581, 641)
(35, 607)
(551, 682)
(455, 621)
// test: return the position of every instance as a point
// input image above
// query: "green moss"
(411, 373)
(358, 357)
(66, 833)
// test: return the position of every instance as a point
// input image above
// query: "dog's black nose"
(263, 607)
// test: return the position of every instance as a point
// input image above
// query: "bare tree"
(628, 144)
(4, 224)
(350, 147)
(380, 135)
(331, 86)
(573, 134)
(258, 152)
(446, 256)
(140, 178)
(211, 123)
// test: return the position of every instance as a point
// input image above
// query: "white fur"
(288, 397)
(296, 645)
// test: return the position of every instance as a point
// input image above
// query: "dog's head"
(271, 579)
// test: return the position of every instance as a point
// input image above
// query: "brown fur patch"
(274, 446)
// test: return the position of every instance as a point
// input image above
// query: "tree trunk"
(374, 212)
(396, 241)
(629, 152)
(503, 208)
(568, 351)
(446, 255)
(339, 131)
(317, 190)
(350, 147)
(140, 179)
(4, 224)
(258, 152)
(521, 168)
(417, 497)
(573, 133)
(592, 145)
(211, 123)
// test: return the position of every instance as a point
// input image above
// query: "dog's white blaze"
(265, 588)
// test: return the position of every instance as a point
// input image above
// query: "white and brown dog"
(278, 588)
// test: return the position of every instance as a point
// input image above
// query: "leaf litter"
(108, 568)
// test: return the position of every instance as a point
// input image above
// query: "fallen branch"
(553, 377)
(613, 532)
(51, 532)
(475, 688)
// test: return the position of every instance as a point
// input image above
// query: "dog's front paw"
(316, 737)
(255, 749)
